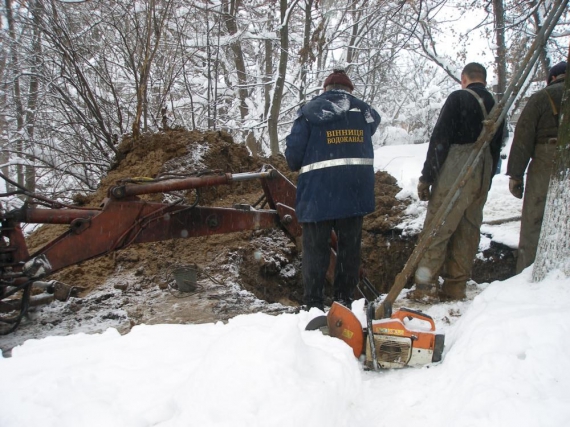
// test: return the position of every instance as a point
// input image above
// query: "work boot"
(344, 298)
(426, 293)
(346, 301)
(453, 290)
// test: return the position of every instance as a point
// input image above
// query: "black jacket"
(459, 122)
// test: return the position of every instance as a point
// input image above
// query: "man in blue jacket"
(330, 145)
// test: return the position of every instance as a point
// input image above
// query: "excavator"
(125, 218)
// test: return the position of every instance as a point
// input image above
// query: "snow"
(405, 162)
(505, 361)
(393, 135)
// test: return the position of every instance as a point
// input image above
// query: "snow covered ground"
(506, 361)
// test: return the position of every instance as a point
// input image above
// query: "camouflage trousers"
(452, 251)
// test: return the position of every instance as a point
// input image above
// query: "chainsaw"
(386, 343)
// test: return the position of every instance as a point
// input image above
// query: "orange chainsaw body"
(343, 324)
(396, 343)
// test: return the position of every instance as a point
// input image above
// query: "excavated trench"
(266, 263)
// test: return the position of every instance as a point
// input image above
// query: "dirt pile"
(266, 263)
(173, 152)
(262, 255)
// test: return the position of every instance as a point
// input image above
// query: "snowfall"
(506, 360)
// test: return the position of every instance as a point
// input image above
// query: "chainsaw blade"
(318, 323)
(343, 324)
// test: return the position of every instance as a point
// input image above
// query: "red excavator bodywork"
(125, 219)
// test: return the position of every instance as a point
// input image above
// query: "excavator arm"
(125, 219)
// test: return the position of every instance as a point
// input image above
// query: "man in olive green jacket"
(535, 142)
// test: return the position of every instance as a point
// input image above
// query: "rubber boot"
(453, 290)
(426, 293)
(344, 299)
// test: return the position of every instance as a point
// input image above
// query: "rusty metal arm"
(129, 190)
(119, 223)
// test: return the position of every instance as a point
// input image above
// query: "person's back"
(335, 127)
(460, 122)
(452, 251)
(330, 144)
(534, 141)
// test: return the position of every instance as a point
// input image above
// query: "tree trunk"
(544, 59)
(153, 26)
(355, 13)
(305, 53)
(239, 61)
(267, 77)
(230, 9)
(500, 59)
(554, 244)
(272, 122)
(209, 91)
(144, 69)
(33, 92)
(4, 149)
(16, 87)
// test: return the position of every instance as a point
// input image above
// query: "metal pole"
(248, 176)
(122, 191)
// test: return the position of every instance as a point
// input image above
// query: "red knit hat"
(338, 77)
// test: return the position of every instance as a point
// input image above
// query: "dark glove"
(423, 191)
(516, 187)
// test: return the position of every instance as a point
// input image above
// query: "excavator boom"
(125, 219)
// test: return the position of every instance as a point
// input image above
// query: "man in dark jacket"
(452, 251)
(330, 144)
(535, 142)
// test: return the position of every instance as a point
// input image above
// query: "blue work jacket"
(331, 145)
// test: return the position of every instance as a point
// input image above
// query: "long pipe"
(122, 191)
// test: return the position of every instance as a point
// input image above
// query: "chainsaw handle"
(403, 313)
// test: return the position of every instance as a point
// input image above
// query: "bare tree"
(146, 31)
(15, 87)
(24, 41)
(286, 11)
(4, 149)
(75, 79)
(501, 51)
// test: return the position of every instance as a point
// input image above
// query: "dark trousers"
(317, 254)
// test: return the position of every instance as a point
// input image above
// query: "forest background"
(75, 77)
